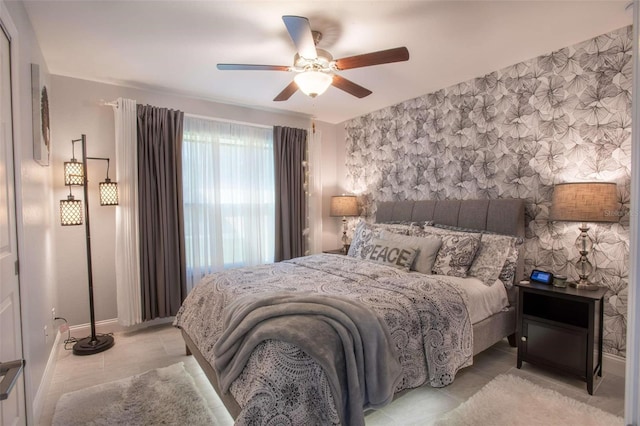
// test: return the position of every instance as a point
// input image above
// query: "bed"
(276, 381)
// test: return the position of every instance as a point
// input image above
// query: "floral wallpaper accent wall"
(561, 117)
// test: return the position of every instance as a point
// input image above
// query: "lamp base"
(584, 286)
(87, 346)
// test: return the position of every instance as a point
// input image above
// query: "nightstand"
(561, 329)
(336, 251)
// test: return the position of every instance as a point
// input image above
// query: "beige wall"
(333, 180)
(34, 214)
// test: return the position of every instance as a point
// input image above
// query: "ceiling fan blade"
(287, 92)
(247, 67)
(350, 87)
(300, 32)
(398, 54)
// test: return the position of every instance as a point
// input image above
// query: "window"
(229, 196)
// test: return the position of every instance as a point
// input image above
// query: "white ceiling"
(174, 46)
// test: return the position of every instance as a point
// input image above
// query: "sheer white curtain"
(127, 237)
(229, 203)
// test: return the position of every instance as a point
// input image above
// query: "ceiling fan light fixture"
(313, 83)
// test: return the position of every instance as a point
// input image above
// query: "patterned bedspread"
(426, 316)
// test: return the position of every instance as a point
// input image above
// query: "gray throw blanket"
(348, 340)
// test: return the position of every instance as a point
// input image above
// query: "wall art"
(40, 117)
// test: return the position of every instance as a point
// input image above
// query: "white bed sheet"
(484, 300)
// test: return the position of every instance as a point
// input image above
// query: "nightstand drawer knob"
(523, 338)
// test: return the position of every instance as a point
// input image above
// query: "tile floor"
(160, 346)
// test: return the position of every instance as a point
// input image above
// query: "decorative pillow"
(427, 249)
(491, 257)
(509, 267)
(459, 228)
(508, 272)
(455, 228)
(456, 254)
(410, 223)
(365, 232)
(397, 228)
(400, 222)
(436, 230)
(392, 253)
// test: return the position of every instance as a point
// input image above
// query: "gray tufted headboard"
(503, 216)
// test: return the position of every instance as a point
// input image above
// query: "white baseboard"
(613, 364)
(112, 326)
(80, 331)
(47, 377)
(106, 326)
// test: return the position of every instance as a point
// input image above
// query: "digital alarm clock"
(543, 277)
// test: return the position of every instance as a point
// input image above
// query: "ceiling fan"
(315, 68)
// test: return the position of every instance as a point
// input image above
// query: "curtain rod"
(102, 102)
(244, 123)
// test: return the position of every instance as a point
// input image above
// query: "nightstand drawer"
(554, 346)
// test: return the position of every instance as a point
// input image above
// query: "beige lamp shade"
(585, 202)
(344, 205)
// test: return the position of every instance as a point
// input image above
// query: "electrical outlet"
(53, 314)
(46, 334)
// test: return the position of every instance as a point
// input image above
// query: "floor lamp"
(71, 212)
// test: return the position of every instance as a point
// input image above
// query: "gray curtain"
(162, 257)
(290, 148)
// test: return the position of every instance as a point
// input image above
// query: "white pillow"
(427, 249)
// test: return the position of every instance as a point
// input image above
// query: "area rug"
(513, 401)
(166, 396)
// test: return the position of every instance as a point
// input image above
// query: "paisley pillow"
(456, 254)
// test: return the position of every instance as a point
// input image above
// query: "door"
(12, 406)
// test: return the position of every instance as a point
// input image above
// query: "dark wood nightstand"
(336, 251)
(561, 329)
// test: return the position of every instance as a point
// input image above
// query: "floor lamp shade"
(108, 193)
(71, 211)
(584, 202)
(73, 173)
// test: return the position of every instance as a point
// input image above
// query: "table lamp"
(344, 205)
(584, 202)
